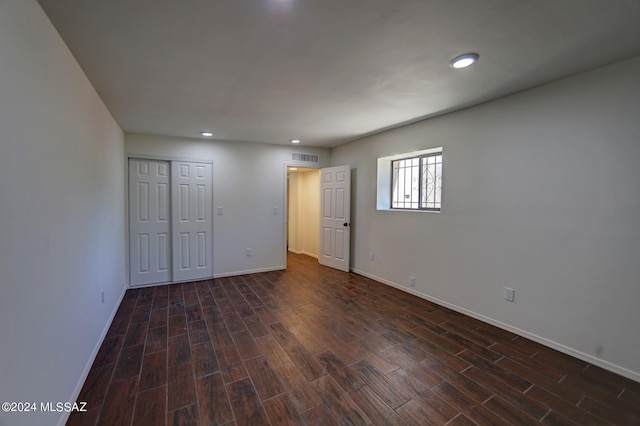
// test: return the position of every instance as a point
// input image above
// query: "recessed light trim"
(206, 133)
(295, 140)
(464, 61)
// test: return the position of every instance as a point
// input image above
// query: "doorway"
(303, 211)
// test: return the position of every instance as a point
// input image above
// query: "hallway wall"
(304, 212)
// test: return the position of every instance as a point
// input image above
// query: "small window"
(417, 182)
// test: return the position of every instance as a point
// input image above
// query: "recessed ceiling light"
(295, 140)
(207, 134)
(464, 61)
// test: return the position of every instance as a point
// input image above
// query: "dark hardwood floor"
(315, 346)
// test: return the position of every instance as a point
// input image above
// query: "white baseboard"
(630, 374)
(249, 271)
(219, 275)
(306, 253)
(76, 392)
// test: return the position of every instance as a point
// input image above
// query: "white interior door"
(335, 211)
(192, 218)
(149, 222)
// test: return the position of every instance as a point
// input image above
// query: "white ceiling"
(327, 71)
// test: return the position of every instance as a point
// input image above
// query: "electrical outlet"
(509, 294)
(372, 256)
(275, 210)
(412, 281)
(220, 211)
(102, 296)
(249, 252)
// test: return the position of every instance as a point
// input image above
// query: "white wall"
(542, 194)
(304, 212)
(61, 216)
(248, 182)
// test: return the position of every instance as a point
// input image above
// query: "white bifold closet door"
(170, 221)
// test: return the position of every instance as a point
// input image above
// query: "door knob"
(345, 224)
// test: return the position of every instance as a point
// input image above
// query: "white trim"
(248, 271)
(625, 372)
(410, 210)
(87, 368)
(163, 158)
(221, 275)
(163, 283)
(285, 213)
(306, 253)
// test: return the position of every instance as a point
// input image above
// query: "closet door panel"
(192, 194)
(149, 224)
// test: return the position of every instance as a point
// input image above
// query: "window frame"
(384, 184)
(422, 159)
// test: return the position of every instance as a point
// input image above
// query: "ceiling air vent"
(305, 158)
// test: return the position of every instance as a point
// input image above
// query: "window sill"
(408, 210)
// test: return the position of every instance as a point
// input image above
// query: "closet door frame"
(210, 204)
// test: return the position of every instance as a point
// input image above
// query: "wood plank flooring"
(315, 346)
